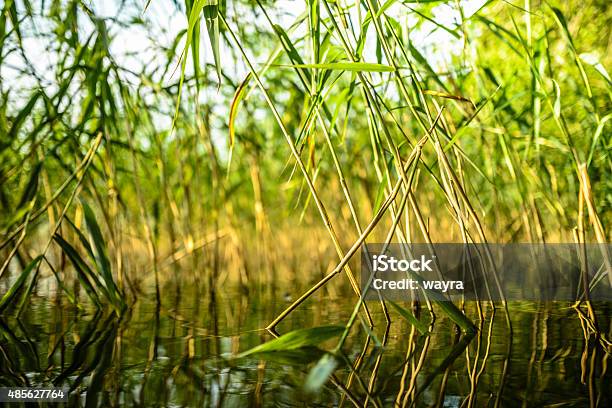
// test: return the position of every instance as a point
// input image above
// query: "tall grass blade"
(345, 66)
(193, 20)
(211, 15)
(84, 273)
(100, 252)
(409, 317)
(9, 297)
(195, 45)
(238, 96)
(23, 114)
(447, 96)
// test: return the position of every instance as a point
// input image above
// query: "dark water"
(179, 354)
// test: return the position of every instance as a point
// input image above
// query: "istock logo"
(384, 263)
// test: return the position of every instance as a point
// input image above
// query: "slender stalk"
(375, 220)
(298, 159)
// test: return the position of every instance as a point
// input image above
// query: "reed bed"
(263, 145)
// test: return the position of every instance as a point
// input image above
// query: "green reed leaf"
(296, 339)
(345, 66)
(101, 257)
(410, 318)
(23, 114)
(84, 273)
(211, 15)
(238, 96)
(9, 296)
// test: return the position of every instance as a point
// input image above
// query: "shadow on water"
(183, 354)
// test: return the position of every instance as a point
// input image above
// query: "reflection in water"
(181, 354)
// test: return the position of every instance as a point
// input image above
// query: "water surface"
(180, 353)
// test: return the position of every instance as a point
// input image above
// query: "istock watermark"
(387, 263)
(537, 272)
(383, 263)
